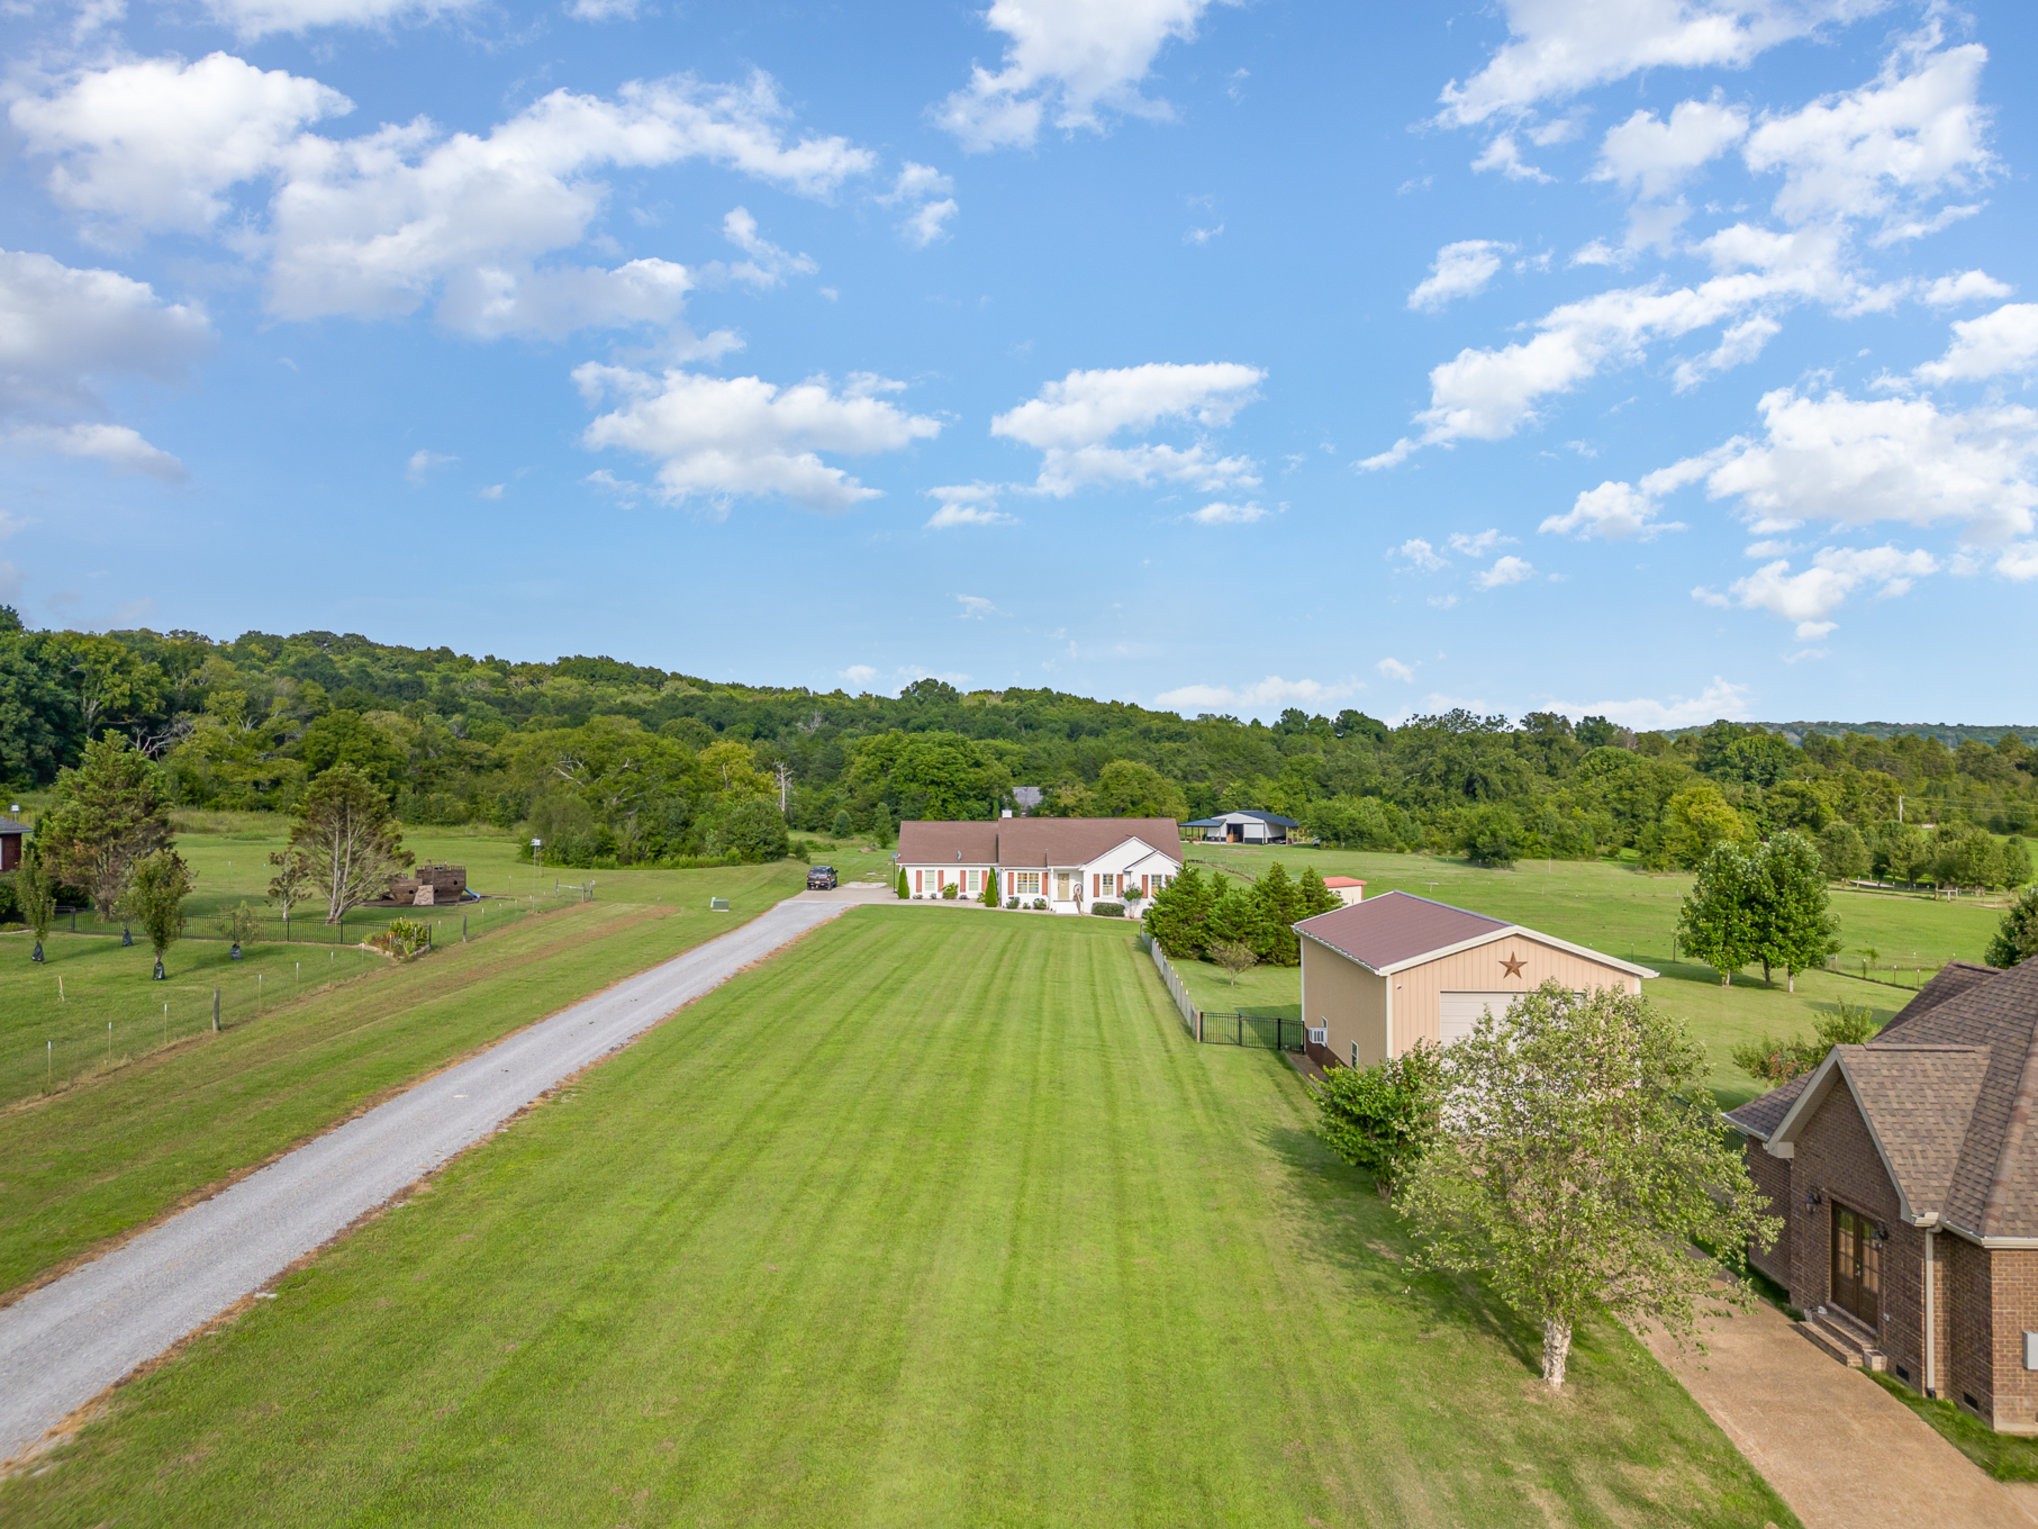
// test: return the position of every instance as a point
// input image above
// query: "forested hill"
(1952, 734)
(612, 761)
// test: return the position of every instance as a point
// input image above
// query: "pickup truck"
(821, 878)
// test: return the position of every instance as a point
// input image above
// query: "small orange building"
(1382, 974)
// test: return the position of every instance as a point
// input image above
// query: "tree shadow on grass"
(1350, 1229)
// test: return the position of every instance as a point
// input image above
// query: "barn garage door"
(1459, 1012)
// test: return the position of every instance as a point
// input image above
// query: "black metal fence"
(1248, 1027)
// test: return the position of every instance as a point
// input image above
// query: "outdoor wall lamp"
(1814, 1198)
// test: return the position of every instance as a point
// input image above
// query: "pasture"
(933, 1219)
(131, 1138)
(1628, 913)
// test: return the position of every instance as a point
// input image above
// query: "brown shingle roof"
(1031, 841)
(1950, 981)
(1396, 926)
(1761, 1116)
(1949, 1088)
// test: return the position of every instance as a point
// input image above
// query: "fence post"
(215, 1011)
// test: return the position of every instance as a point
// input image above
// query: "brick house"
(1906, 1171)
(1070, 862)
(12, 836)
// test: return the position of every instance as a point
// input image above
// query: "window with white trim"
(973, 882)
(1026, 883)
(1355, 1056)
(1107, 885)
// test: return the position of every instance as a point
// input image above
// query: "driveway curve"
(62, 1345)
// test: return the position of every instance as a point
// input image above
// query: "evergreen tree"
(1794, 927)
(1716, 924)
(1277, 906)
(2016, 940)
(345, 847)
(1315, 896)
(110, 812)
(1178, 918)
(904, 889)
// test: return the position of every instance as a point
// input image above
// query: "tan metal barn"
(1383, 974)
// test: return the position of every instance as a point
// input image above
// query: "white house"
(1246, 827)
(1072, 862)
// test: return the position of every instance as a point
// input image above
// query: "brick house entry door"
(1857, 1267)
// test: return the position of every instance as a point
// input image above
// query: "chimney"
(1006, 813)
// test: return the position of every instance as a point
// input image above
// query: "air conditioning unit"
(1319, 1035)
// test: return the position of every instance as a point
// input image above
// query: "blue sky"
(1670, 359)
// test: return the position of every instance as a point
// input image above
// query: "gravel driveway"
(65, 1343)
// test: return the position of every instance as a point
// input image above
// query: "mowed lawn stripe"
(1039, 1259)
(99, 1160)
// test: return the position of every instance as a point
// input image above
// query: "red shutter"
(1143, 888)
(919, 881)
(1096, 884)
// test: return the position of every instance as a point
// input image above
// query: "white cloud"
(1488, 395)
(1067, 62)
(117, 446)
(1477, 543)
(1810, 596)
(1505, 571)
(1418, 553)
(1459, 270)
(258, 18)
(1882, 151)
(966, 504)
(1722, 698)
(721, 438)
(423, 464)
(492, 490)
(768, 265)
(1854, 463)
(1613, 511)
(1395, 669)
(1741, 343)
(381, 224)
(1222, 512)
(1504, 155)
(1073, 421)
(64, 332)
(2003, 341)
(2019, 561)
(604, 10)
(1268, 694)
(1557, 48)
(158, 143)
(929, 199)
(1649, 156)
(859, 674)
(976, 607)
(1965, 287)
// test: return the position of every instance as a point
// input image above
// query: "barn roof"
(1397, 930)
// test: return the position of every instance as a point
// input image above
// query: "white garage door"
(1460, 1012)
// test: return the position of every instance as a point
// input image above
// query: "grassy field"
(120, 1148)
(1628, 913)
(942, 1222)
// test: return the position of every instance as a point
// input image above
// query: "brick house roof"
(1947, 1090)
(1031, 841)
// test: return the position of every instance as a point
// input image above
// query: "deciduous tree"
(2016, 938)
(109, 813)
(155, 899)
(1794, 927)
(1382, 1118)
(37, 897)
(344, 848)
(1579, 1160)
(1716, 924)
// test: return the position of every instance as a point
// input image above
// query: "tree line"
(618, 763)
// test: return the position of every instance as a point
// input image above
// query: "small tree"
(990, 893)
(843, 827)
(240, 924)
(345, 847)
(1178, 918)
(1843, 853)
(1776, 1062)
(1382, 1118)
(1315, 897)
(904, 889)
(1794, 927)
(1579, 1159)
(2016, 938)
(110, 812)
(1716, 924)
(1234, 956)
(155, 899)
(37, 895)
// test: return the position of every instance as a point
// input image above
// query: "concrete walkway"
(62, 1345)
(1838, 1448)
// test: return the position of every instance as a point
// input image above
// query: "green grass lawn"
(1628, 913)
(2007, 1457)
(121, 1147)
(941, 1221)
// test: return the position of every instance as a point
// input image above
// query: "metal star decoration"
(1512, 965)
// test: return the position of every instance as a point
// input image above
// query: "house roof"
(8, 826)
(1334, 882)
(1030, 841)
(1272, 819)
(1947, 1090)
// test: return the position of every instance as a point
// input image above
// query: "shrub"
(1776, 1062)
(950, 891)
(1039, 905)
(990, 894)
(242, 925)
(10, 904)
(1382, 1118)
(1011, 902)
(905, 890)
(1108, 910)
(404, 938)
